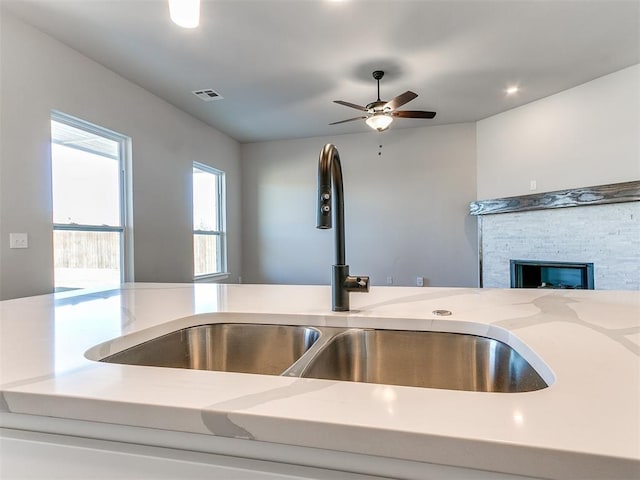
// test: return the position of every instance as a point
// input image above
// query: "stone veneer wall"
(607, 235)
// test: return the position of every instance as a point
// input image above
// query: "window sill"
(212, 276)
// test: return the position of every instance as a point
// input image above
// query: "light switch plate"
(18, 240)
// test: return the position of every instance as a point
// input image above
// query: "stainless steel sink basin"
(410, 358)
(229, 347)
(424, 359)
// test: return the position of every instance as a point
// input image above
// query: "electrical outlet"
(420, 281)
(18, 240)
(533, 185)
(389, 280)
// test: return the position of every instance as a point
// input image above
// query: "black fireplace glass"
(543, 274)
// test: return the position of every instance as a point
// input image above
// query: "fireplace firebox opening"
(541, 274)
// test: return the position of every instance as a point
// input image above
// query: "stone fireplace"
(600, 231)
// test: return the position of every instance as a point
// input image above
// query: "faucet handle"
(324, 210)
(356, 283)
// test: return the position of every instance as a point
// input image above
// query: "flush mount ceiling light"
(185, 13)
(512, 90)
(379, 114)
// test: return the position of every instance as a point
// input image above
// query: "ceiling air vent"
(207, 94)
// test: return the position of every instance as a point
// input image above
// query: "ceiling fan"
(380, 113)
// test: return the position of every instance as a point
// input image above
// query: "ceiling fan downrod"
(378, 74)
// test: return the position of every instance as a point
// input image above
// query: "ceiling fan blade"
(413, 114)
(352, 105)
(348, 120)
(400, 100)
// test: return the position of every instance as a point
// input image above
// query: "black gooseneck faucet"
(330, 172)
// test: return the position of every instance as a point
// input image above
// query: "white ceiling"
(279, 64)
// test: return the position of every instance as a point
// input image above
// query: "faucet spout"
(330, 171)
(331, 197)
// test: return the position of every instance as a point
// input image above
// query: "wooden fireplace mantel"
(575, 197)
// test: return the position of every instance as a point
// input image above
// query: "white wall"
(39, 74)
(585, 136)
(406, 210)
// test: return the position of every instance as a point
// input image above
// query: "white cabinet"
(28, 455)
(38, 456)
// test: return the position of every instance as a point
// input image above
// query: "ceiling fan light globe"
(379, 121)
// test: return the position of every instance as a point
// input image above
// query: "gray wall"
(39, 74)
(585, 136)
(406, 210)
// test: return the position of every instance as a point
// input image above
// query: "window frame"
(124, 187)
(221, 233)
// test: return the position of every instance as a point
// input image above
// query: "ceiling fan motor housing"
(377, 106)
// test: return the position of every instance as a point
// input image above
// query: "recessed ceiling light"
(185, 13)
(512, 90)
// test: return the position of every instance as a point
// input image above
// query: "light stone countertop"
(586, 344)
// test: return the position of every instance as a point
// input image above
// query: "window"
(209, 239)
(87, 164)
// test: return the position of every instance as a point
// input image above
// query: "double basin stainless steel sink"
(395, 357)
